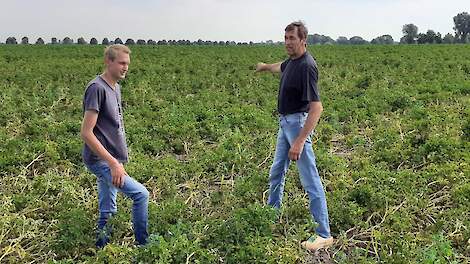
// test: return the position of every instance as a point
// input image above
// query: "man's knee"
(144, 194)
(315, 192)
(278, 169)
(140, 195)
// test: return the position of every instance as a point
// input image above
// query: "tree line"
(410, 32)
(411, 35)
(129, 41)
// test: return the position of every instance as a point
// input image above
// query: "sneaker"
(317, 242)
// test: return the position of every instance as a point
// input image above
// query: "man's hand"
(274, 68)
(296, 149)
(117, 173)
(86, 132)
(260, 67)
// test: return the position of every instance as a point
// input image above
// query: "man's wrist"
(113, 162)
(301, 139)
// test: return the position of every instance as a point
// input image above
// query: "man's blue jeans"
(290, 127)
(107, 206)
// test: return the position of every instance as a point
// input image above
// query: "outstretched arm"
(274, 68)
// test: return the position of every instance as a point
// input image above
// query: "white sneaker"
(317, 242)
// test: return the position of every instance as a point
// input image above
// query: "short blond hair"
(111, 52)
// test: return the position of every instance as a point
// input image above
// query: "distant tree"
(141, 42)
(356, 40)
(467, 39)
(11, 40)
(383, 40)
(111, 42)
(422, 38)
(319, 39)
(39, 41)
(130, 41)
(118, 41)
(93, 41)
(81, 41)
(448, 39)
(67, 41)
(54, 41)
(314, 39)
(162, 42)
(327, 40)
(430, 37)
(342, 41)
(24, 40)
(462, 26)
(151, 42)
(433, 37)
(105, 41)
(410, 34)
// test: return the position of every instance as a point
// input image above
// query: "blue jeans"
(289, 129)
(107, 206)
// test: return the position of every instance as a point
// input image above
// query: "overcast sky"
(239, 20)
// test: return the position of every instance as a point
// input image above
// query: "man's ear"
(106, 61)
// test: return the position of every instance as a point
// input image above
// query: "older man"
(300, 108)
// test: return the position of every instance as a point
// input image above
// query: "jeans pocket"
(98, 168)
(309, 139)
(303, 117)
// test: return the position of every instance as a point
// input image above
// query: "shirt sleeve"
(284, 64)
(309, 84)
(94, 97)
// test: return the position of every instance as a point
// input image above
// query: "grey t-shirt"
(298, 86)
(109, 128)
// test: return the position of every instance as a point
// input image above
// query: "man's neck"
(296, 56)
(109, 80)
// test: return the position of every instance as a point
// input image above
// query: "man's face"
(294, 45)
(119, 66)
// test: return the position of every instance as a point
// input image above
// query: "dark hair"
(302, 31)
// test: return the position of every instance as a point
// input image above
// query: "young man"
(105, 148)
(300, 108)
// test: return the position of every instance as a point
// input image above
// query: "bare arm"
(314, 114)
(86, 133)
(274, 68)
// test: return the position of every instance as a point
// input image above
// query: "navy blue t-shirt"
(298, 86)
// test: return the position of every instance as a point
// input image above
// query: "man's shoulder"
(309, 60)
(96, 84)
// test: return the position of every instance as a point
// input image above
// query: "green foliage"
(440, 251)
(392, 150)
